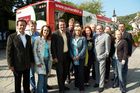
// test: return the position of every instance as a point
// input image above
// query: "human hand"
(123, 62)
(77, 57)
(12, 69)
(39, 65)
(55, 60)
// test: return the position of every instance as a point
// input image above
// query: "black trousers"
(107, 72)
(87, 69)
(79, 75)
(62, 69)
(87, 73)
(26, 81)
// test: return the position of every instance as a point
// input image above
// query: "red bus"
(49, 11)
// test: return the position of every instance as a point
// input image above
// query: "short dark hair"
(61, 20)
(21, 20)
(122, 24)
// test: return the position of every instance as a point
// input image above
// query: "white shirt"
(65, 41)
(23, 38)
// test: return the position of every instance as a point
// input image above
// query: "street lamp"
(114, 20)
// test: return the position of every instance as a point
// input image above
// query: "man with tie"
(102, 49)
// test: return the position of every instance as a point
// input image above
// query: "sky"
(122, 7)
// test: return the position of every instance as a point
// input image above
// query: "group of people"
(73, 47)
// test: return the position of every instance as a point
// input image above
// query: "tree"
(5, 13)
(94, 7)
(68, 3)
(126, 19)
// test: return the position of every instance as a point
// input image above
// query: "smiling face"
(21, 26)
(62, 26)
(121, 27)
(77, 31)
(88, 32)
(99, 29)
(71, 25)
(32, 27)
(107, 29)
(45, 31)
(118, 35)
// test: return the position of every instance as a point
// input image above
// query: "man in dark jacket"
(20, 56)
(60, 43)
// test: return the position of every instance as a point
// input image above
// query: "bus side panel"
(50, 15)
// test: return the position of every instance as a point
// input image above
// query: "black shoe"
(123, 92)
(112, 79)
(66, 88)
(49, 87)
(96, 85)
(86, 84)
(61, 92)
(101, 90)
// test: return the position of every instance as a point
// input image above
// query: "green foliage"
(6, 5)
(94, 7)
(68, 3)
(135, 38)
(128, 27)
(126, 19)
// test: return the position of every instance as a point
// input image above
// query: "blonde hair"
(117, 31)
(78, 29)
(32, 22)
(71, 20)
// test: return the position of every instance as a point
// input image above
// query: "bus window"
(66, 16)
(40, 11)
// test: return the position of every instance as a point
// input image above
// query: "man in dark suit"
(128, 37)
(60, 43)
(111, 53)
(20, 56)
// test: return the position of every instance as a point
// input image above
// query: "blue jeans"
(42, 84)
(32, 78)
(42, 79)
(121, 73)
(46, 61)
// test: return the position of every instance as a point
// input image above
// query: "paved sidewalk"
(7, 80)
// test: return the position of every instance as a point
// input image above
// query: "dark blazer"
(57, 44)
(128, 37)
(112, 47)
(122, 48)
(18, 56)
